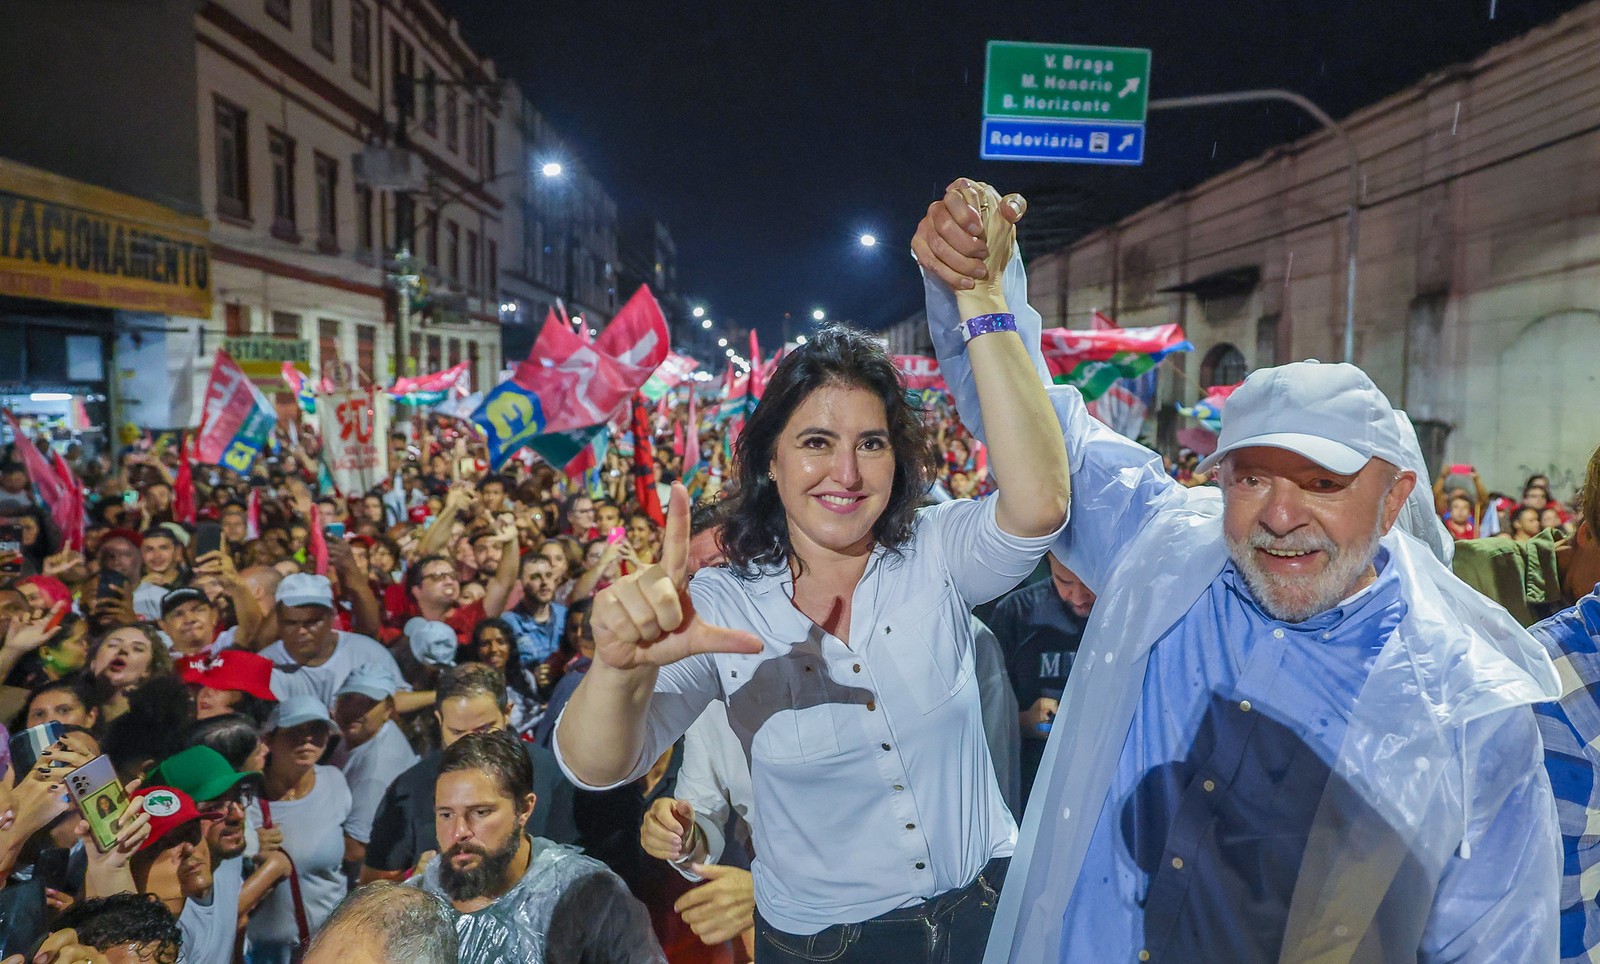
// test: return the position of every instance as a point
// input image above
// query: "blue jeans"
(951, 928)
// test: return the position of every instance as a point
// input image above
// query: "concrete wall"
(1478, 307)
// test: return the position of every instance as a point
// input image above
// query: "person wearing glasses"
(222, 795)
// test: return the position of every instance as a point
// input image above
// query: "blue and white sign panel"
(1083, 142)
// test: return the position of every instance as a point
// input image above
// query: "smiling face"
(123, 659)
(607, 517)
(191, 625)
(1304, 537)
(834, 470)
(494, 647)
(160, 553)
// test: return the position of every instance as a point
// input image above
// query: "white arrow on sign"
(1131, 87)
(1125, 143)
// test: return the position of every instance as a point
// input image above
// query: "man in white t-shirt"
(315, 658)
(364, 711)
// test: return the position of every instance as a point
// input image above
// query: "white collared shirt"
(869, 764)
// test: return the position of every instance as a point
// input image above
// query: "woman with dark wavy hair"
(839, 637)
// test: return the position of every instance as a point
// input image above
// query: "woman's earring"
(771, 477)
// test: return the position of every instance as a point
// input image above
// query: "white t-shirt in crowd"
(147, 598)
(209, 926)
(349, 651)
(313, 836)
(369, 770)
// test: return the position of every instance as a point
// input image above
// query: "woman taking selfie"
(840, 640)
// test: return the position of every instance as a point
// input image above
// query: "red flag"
(52, 488)
(252, 514)
(1099, 321)
(183, 485)
(75, 516)
(581, 384)
(758, 380)
(318, 544)
(644, 465)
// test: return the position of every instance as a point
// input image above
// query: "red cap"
(231, 669)
(169, 809)
(50, 586)
(127, 534)
(362, 540)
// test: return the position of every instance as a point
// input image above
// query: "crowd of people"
(785, 692)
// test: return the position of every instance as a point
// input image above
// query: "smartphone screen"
(11, 549)
(335, 529)
(207, 538)
(616, 535)
(110, 581)
(100, 797)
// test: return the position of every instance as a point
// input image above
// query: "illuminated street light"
(551, 169)
(722, 342)
(730, 352)
(868, 240)
(799, 339)
(699, 311)
(818, 314)
(706, 324)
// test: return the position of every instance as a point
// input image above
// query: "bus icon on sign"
(1099, 142)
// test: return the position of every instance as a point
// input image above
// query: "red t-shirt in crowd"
(462, 619)
(1466, 530)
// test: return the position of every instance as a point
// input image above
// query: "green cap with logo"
(200, 772)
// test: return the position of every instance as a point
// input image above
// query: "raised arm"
(1027, 452)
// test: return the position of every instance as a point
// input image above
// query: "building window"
(366, 351)
(236, 319)
(403, 60)
(1223, 365)
(452, 250)
(360, 42)
(364, 217)
(455, 352)
(328, 351)
(281, 148)
(279, 11)
(430, 101)
(472, 366)
(434, 355)
(488, 147)
(472, 261)
(433, 240)
(233, 170)
(414, 352)
(471, 134)
(327, 170)
(322, 27)
(492, 274)
(285, 325)
(452, 130)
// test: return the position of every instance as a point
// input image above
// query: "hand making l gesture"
(646, 617)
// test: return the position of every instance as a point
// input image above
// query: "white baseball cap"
(1331, 414)
(304, 589)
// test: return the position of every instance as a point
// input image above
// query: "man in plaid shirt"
(1571, 730)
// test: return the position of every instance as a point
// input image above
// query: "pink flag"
(758, 383)
(71, 527)
(252, 514)
(52, 487)
(1099, 321)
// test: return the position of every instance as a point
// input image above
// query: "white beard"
(1298, 598)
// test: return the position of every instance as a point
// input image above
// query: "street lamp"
(868, 240)
(799, 339)
(722, 343)
(818, 314)
(699, 311)
(706, 324)
(728, 352)
(551, 169)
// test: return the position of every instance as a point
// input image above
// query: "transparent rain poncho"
(567, 908)
(1400, 813)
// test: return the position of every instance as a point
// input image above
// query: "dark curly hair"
(106, 922)
(755, 533)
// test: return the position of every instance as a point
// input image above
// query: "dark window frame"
(361, 43)
(326, 175)
(237, 204)
(285, 204)
(322, 27)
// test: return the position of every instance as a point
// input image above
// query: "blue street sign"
(1083, 142)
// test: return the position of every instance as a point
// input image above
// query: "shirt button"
(921, 866)
(872, 705)
(884, 745)
(898, 788)
(1277, 634)
(911, 826)
(1244, 705)
(1177, 863)
(856, 668)
(1209, 786)
(886, 630)
(1144, 955)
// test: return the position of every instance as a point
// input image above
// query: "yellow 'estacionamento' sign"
(62, 240)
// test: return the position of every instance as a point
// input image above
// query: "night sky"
(769, 135)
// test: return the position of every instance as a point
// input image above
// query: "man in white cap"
(1290, 734)
(364, 710)
(315, 658)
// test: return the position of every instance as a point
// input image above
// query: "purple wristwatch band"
(984, 324)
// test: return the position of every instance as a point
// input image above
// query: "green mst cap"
(201, 772)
